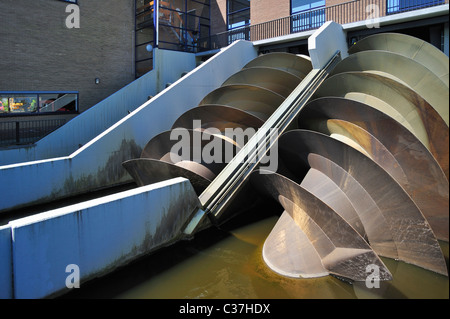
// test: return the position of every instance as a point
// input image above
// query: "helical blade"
(392, 147)
(414, 238)
(342, 251)
(295, 64)
(411, 47)
(395, 100)
(415, 75)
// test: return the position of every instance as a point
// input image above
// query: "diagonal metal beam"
(225, 187)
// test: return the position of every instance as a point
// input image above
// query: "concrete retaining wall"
(92, 237)
(169, 65)
(98, 164)
(5, 263)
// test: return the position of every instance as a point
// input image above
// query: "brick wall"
(347, 11)
(218, 16)
(39, 53)
(267, 10)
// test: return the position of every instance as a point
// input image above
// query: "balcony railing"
(348, 12)
(27, 132)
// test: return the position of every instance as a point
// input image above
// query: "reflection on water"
(228, 264)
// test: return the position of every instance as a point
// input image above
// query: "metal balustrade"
(27, 132)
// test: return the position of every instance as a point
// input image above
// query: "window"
(26, 103)
(305, 5)
(238, 20)
(181, 25)
(184, 25)
(307, 14)
(396, 6)
(145, 36)
(238, 13)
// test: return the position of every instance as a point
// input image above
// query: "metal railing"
(348, 12)
(27, 132)
(398, 6)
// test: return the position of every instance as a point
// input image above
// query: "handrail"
(27, 132)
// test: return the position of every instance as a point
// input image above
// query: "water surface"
(228, 264)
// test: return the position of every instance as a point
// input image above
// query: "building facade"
(260, 19)
(61, 57)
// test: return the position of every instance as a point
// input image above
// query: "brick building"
(61, 57)
(43, 57)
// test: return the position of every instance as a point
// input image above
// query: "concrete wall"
(169, 65)
(325, 42)
(98, 164)
(96, 236)
(6, 288)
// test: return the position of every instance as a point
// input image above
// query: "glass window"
(4, 104)
(144, 51)
(143, 67)
(37, 103)
(143, 5)
(144, 20)
(307, 14)
(144, 36)
(18, 103)
(396, 6)
(238, 5)
(304, 5)
(57, 102)
(184, 25)
(238, 13)
(238, 16)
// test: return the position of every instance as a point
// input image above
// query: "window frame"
(398, 6)
(237, 12)
(308, 18)
(308, 9)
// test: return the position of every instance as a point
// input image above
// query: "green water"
(228, 264)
